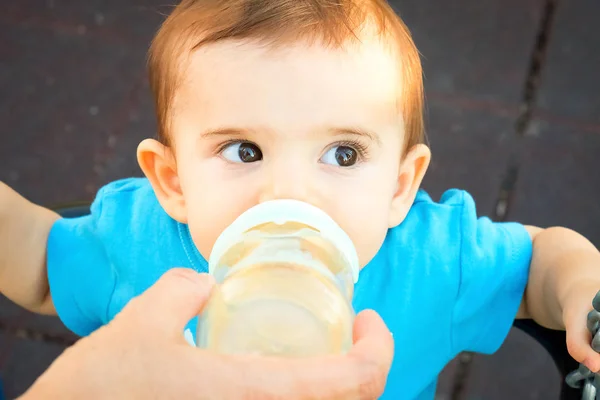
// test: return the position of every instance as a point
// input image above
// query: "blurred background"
(513, 117)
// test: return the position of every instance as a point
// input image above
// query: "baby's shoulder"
(451, 229)
(431, 216)
(430, 223)
(124, 192)
(129, 206)
(432, 229)
(130, 200)
(450, 198)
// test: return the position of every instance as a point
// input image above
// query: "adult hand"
(142, 354)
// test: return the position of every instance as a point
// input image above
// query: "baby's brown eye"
(342, 156)
(244, 152)
(345, 156)
(249, 153)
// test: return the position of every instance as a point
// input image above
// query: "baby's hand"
(583, 337)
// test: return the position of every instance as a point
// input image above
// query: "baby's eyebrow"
(356, 131)
(335, 131)
(226, 131)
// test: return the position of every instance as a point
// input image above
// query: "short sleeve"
(80, 276)
(494, 268)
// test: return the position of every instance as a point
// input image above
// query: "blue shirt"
(444, 280)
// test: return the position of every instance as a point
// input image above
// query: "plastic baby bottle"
(285, 272)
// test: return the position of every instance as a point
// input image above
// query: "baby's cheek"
(207, 223)
(206, 220)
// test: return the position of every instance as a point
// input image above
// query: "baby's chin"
(204, 247)
(367, 246)
(365, 259)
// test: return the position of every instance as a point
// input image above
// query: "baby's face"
(252, 124)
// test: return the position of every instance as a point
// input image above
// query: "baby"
(319, 101)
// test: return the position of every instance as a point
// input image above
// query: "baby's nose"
(286, 182)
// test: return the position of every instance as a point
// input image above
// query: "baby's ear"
(158, 163)
(412, 171)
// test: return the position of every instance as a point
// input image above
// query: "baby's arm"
(24, 229)
(563, 280)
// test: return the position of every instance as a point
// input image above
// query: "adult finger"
(372, 337)
(374, 350)
(167, 306)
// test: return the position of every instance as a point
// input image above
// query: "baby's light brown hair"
(194, 23)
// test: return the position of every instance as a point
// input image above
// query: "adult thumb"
(168, 305)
